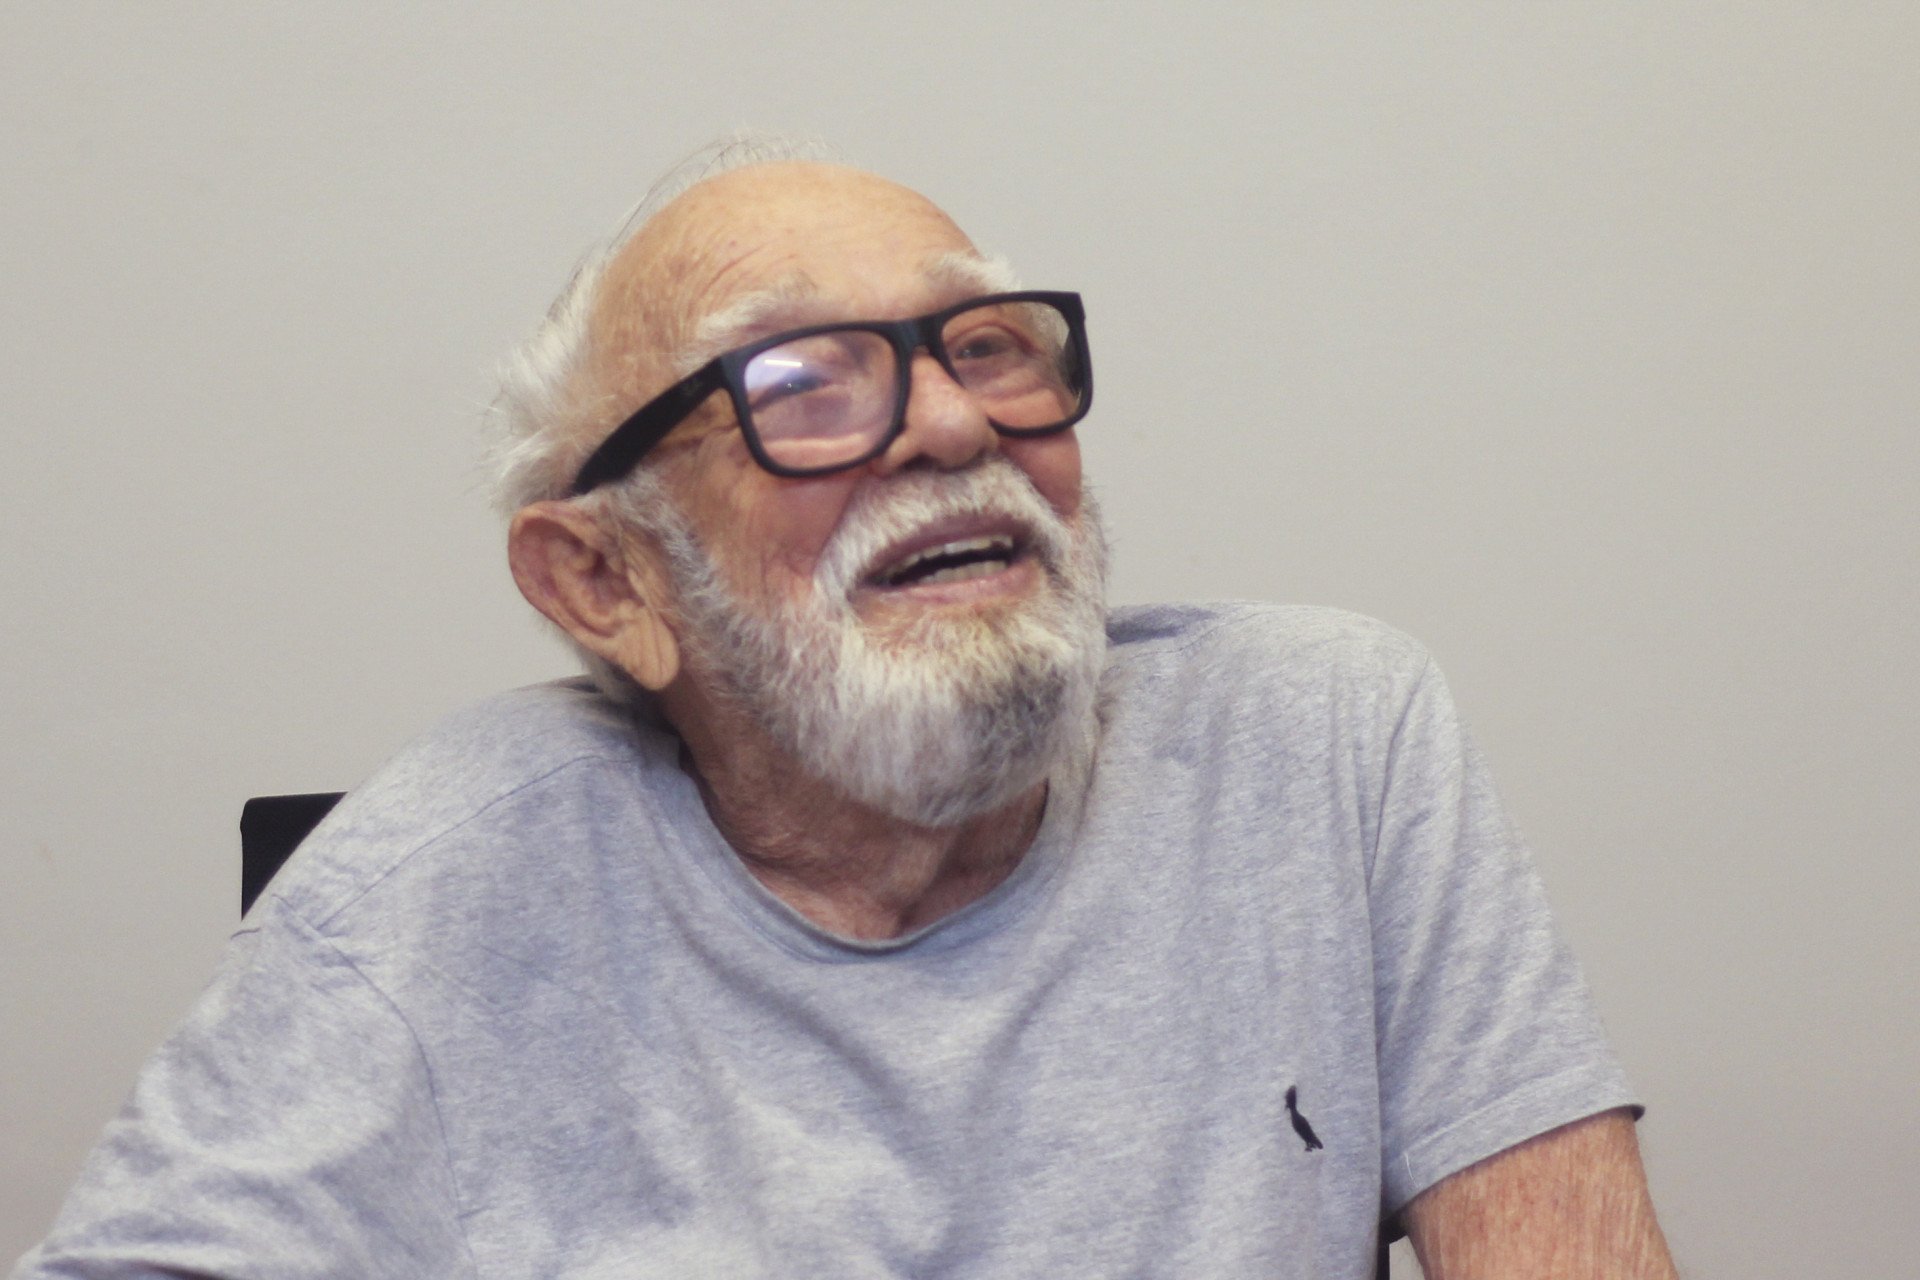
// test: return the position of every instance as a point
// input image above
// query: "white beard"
(944, 720)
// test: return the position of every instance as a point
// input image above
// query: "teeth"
(955, 573)
(998, 544)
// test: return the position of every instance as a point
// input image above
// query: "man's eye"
(795, 384)
(771, 380)
(985, 344)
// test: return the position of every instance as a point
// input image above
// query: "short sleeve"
(286, 1128)
(1485, 1029)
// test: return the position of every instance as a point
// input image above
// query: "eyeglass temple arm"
(629, 442)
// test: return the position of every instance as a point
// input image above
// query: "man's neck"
(846, 867)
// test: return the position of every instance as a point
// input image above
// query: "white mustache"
(893, 510)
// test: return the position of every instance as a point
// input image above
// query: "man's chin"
(944, 633)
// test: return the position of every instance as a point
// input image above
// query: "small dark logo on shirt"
(1300, 1125)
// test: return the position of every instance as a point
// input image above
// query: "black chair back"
(271, 828)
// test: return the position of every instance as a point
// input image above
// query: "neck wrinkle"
(850, 870)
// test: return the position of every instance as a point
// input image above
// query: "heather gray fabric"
(515, 1010)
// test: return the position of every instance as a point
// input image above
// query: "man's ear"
(610, 599)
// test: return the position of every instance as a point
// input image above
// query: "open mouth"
(957, 560)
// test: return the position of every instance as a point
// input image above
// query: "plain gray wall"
(1581, 341)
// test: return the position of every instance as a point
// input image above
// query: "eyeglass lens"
(829, 398)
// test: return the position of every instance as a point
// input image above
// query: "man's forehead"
(796, 299)
(759, 245)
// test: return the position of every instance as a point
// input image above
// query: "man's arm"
(1570, 1204)
(287, 1128)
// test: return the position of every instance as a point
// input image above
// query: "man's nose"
(944, 424)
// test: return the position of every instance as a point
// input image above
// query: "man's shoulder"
(1310, 642)
(469, 780)
(510, 733)
(1257, 673)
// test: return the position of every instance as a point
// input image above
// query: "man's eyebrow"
(971, 271)
(747, 317)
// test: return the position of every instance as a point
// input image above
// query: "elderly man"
(882, 908)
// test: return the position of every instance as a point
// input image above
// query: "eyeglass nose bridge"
(909, 338)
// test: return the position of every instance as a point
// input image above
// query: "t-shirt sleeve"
(1486, 1031)
(287, 1128)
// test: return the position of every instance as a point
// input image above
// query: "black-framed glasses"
(832, 396)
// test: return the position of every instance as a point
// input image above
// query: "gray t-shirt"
(1275, 963)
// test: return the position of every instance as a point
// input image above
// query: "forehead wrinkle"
(695, 250)
(643, 320)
